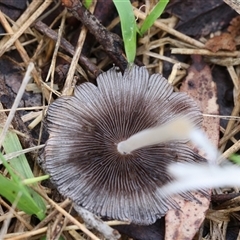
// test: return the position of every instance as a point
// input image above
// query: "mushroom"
(83, 153)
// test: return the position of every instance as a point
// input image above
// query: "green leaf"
(87, 3)
(20, 165)
(235, 158)
(154, 14)
(128, 26)
(19, 170)
(12, 144)
(13, 189)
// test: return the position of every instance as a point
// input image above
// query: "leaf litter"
(168, 43)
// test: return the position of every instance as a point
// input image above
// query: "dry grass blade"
(205, 52)
(159, 24)
(7, 221)
(52, 45)
(69, 86)
(72, 219)
(23, 28)
(16, 102)
(20, 47)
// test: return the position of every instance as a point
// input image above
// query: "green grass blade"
(154, 14)
(87, 3)
(10, 189)
(30, 181)
(235, 158)
(128, 26)
(20, 164)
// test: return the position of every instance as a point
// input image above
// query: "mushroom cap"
(81, 153)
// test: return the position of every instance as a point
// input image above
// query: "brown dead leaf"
(185, 222)
(200, 86)
(223, 42)
(234, 28)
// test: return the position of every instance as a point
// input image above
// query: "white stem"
(199, 138)
(194, 176)
(178, 129)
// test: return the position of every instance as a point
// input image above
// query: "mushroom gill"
(81, 153)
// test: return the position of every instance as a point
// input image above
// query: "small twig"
(173, 74)
(33, 6)
(51, 10)
(111, 42)
(229, 135)
(23, 28)
(83, 60)
(16, 214)
(78, 67)
(233, 139)
(234, 5)
(52, 214)
(56, 228)
(233, 149)
(68, 86)
(23, 53)
(101, 12)
(54, 56)
(95, 222)
(227, 61)
(86, 215)
(36, 121)
(226, 117)
(26, 235)
(229, 128)
(168, 59)
(169, 30)
(205, 52)
(18, 153)
(7, 221)
(72, 219)
(24, 108)
(234, 76)
(16, 102)
(116, 223)
(67, 215)
(31, 115)
(18, 125)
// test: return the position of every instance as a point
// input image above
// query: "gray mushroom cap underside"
(81, 153)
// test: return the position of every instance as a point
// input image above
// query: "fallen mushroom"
(85, 160)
